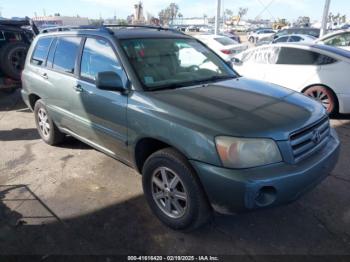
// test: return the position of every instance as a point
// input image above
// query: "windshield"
(173, 63)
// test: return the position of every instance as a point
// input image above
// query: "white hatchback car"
(319, 71)
(222, 45)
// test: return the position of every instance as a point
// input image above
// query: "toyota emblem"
(316, 136)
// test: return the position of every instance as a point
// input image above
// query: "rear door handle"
(78, 88)
(45, 76)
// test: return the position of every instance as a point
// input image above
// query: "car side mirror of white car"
(236, 61)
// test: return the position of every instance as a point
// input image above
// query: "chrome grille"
(307, 141)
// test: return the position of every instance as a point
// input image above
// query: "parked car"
(192, 28)
(294, 39)
(222, 45)
(318, 71)
(315, 32)
(203, 139)
(14, 43)
(232, 34)
(264, 33)
(339, 39)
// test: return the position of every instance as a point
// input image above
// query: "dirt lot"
(74, 200)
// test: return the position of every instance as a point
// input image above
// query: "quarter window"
(66, 54)
(41, 50)
(294, 56)
(98, 56)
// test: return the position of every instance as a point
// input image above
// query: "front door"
(100, 114)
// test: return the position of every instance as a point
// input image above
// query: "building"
(52, 21)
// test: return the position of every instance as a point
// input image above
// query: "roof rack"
(159, 28)
(106, 28)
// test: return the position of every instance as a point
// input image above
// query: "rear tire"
(12, 59)
(325, 96)
(180, 207)
(47, 129)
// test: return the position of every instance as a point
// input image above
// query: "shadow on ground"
(129, 227)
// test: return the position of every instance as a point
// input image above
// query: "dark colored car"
(232, 34)
(15, 40)
(203, 137)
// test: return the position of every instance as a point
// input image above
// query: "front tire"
(173, 191)
(47, 129)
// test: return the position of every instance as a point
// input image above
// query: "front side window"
(41, 50)
(66, 54)
(339, 40)
(98, 56)
(165, 63)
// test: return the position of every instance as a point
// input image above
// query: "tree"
(241, 13)
(228, 13)
(169, 13)
(173, 10)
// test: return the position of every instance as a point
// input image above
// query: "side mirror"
(110, 81)
(236, 61)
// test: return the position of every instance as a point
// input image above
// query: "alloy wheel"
(169, 193)
(44, 123)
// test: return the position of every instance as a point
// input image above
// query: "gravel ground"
(73, 199)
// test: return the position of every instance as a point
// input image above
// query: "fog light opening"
(266, 196)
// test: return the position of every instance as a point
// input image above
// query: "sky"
(290, 9)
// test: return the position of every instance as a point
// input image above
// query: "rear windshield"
(225, 41)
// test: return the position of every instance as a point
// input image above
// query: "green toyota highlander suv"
(204, 138)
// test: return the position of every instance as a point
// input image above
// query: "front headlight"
(247, 152)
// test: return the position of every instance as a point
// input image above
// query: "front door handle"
(45, 76)
(78, 88)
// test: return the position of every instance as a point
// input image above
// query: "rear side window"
(41, 50)
(98, 56)
(294, 56)
(66, 54)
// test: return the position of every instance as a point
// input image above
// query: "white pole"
(217, 18)
(325, 18)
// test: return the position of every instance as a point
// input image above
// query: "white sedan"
(295, 38)
(222, 45)
(319, 71)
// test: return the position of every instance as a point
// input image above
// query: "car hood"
(239, 107)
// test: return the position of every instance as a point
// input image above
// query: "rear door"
(60, 75)
(293, 67)
(100, 114)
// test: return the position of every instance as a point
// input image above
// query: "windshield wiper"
(193, 82)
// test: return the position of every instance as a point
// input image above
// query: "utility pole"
(325, 17)
(217, 18)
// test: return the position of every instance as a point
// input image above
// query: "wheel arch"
(33, 98)
(146, 146)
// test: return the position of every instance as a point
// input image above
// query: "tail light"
(226, 52)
